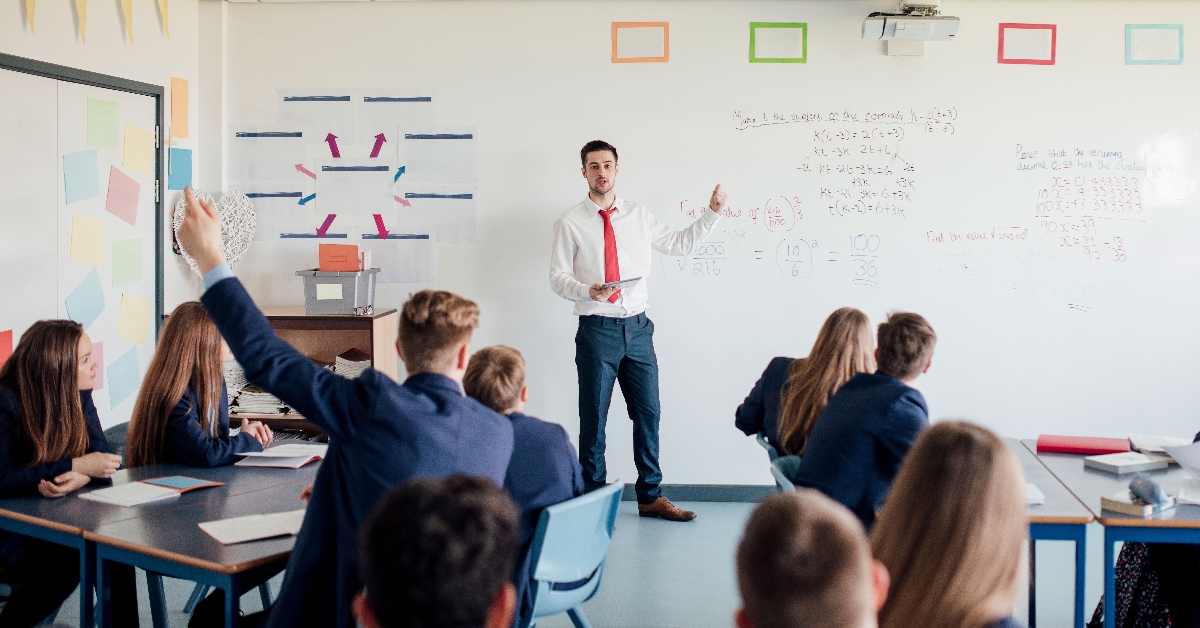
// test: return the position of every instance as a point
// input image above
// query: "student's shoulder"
(779, 364)
(525, 426)
(10, 404)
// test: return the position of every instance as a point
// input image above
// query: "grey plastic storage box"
(339, 293)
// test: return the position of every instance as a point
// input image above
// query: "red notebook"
(1089, 445)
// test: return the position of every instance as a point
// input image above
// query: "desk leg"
(104, 592)
(1032, 583)
(87, 581)
(1110, 581)
(1080, 576)
(232, 602)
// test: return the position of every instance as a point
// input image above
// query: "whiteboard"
(855, 179)
(65, 233)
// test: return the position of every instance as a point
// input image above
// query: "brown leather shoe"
(664, 509)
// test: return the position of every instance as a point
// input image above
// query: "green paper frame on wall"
(801, 26)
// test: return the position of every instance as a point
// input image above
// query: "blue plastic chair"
(772, 453)
(783, 469)
(568, 553)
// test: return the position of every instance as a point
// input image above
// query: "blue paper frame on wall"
(1129, 28)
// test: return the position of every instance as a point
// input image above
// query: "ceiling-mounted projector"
(913, 21)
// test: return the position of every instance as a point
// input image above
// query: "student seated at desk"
(182, 410)
(544, 469)
(380, 433)
(804, 562)
(871, 421)
(786, 401)
(51, 443)
(952, 533)
(437, 554)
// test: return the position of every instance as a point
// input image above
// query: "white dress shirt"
(577, 260)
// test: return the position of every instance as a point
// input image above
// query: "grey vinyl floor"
(671, 575)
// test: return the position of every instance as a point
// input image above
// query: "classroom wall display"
(1153, 44)
(1043, 219)
(1027, 44)
(778, 42)
(641, 42)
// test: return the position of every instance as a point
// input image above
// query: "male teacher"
(602, 240)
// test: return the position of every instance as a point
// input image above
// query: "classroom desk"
(66, 520)
(1061, 518)
(172, 544)
(1178, 525)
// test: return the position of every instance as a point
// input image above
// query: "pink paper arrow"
(324, 228)
(402, 201)
(301, 168)
(383, 233)
(331, 139)
(379, 140)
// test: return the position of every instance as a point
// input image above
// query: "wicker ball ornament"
(237, 225)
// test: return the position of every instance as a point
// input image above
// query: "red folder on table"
(1088, 445)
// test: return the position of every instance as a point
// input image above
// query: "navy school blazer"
(381, 434)
(17, 479)
(860, 440)
(760, 411)
(189, 444)
(544, 471)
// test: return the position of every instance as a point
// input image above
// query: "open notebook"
(254, 527)
(146, 491)
(289, 456)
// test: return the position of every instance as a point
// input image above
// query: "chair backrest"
(772, 453)
(783, 469)
(116, 436)
(569, 548)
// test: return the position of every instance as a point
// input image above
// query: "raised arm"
(668, 241)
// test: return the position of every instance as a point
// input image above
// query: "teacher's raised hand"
(718, 199)
(200, 233)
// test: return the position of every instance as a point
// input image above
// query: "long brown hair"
(43, 373)
(952, 531)
(842, 349)
(188, 356)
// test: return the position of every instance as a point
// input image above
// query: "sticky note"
(87, 239)
(126, 262)
(1153, 44)
(134, 323)
(81, 176)
(6, 346)
(138, 153)
(123, 377)
(641, 42)
(179, 104)
(103, 123)
(123, 193)
(180, 174)
(1029, 44)
(98, 358)
(778, 42)
(86, 301)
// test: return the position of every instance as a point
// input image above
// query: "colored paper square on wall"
(6, 345)
(179, 107)
(87, 239)
(180, 174)
(1027, 44)
(123, 193)
(1153, 44)
(81, 176)
(138, 152)
(86, 301)
(123, 377)
(778, 42)
(134, 322)
(103, 123)
(126, 262)
(98, 358)
(641, 42)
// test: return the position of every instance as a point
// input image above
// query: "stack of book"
(235, 379)
(352, 363)
(254, 400)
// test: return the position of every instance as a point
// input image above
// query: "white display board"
(1042, 217)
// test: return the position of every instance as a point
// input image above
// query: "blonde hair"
(953, 529)
(843, 349)
(495, 377)
(432, 325)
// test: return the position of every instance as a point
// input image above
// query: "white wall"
(152, 58)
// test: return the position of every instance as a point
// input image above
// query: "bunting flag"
(162, 11)
(81, 11)
(127, 8)
(29, 6)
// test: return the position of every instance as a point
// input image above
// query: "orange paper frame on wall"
(666, 56)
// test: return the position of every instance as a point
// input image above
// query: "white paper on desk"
(453, 210)
(438, 154)
(259, 152)
(291, 450)
(1189, 493)
(1188, 457)
(131, 494)
(1033, 495)
(1155, 444)
(254, 527)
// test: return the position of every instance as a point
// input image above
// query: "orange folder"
(339, 258)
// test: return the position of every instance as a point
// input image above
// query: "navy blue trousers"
(609, 350)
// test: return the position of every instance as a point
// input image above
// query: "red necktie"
(612, 270)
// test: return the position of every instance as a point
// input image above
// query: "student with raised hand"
(380, 433)
(544, 469)
(804, 562)
(870, 423)
(182, 409)
(51, 443)
(791, 394)
(437, 554)
(952, 533)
